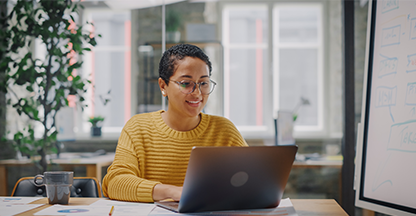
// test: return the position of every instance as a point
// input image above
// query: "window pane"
(299, 80)
(109, 69)
(246, 64)
(245, 89)
(298, 24)
(109, 84)
(243, 24)
(111, 26)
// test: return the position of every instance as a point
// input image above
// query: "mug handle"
(39, 176)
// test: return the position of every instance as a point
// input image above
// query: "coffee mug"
(58, 185)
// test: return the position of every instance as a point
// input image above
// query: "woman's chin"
(194, 111)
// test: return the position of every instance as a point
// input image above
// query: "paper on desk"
(18, 200)
(104, 202)
(132, 210)
(285, 208)
(126, 208)
(285, 203)
(85, 210)
(13, 209)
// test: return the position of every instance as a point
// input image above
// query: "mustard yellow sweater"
(150, 152)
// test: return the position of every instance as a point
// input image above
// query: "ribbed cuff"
(145, 191)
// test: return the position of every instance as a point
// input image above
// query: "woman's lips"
(194, 103)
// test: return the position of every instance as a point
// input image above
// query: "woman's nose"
(197, 90)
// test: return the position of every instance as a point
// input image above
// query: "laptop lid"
(235, 178)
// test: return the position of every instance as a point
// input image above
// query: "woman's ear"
(162, 86)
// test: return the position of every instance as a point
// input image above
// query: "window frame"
(82, 126)
(266, 129)
(300, 130)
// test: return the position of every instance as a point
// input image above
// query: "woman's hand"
(164, 191)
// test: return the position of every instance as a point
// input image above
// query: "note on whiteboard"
(391, 128)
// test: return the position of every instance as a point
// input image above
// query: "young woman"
(153, 149)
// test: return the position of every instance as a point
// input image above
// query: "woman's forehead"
(191, 67)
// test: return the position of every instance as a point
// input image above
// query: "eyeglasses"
(189, 86)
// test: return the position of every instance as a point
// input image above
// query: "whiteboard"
(386, 141)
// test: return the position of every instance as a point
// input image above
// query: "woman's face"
(187, 105)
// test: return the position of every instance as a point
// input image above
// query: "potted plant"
(95, 125)
(173, 22)
(303, 102)
(43, 82)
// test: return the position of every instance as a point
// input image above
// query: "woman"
(153, 149)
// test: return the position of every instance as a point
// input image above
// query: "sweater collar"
(194, 133)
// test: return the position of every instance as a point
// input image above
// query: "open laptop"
(234, 178)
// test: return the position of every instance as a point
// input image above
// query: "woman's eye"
(185, 84)
(204, 83)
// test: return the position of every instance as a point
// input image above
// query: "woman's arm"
(124, 179)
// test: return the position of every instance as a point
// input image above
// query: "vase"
(95, 131)
(173, 37)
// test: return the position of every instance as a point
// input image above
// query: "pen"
(111, 211)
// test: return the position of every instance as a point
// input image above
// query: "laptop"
(234, 178)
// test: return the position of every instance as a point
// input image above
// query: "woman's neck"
(179, 123)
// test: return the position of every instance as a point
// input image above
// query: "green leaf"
(47, 23)
(93, 42)
(18, 136)
(29, 88)
(54, 150)
(76, 79)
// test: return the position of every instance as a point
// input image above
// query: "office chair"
(81, 187)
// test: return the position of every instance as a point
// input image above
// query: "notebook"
(234, 178)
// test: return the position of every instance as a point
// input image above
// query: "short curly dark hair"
(178, 52)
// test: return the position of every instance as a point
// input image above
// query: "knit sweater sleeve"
(124, 180)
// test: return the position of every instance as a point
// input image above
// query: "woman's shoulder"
(224, 131)
(220, 120)
(140, 117)
(142, 120)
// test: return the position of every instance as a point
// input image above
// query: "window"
(245, 41)
(253, 92)
(297, 61)
(109, 66)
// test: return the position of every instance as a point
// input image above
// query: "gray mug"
(58, 185)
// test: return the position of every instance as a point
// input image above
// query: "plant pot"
(173, 37)
(95, 131)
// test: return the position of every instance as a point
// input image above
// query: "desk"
(318, 164)
(303, 207)
(94, 165)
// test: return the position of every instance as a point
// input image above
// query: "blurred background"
(267, 56)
